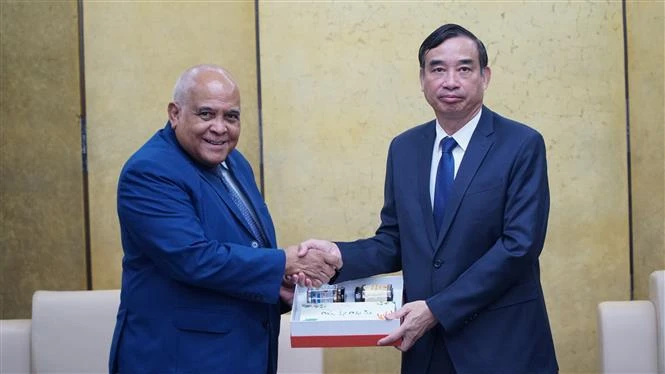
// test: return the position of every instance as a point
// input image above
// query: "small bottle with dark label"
(325, 294)
(374, 292)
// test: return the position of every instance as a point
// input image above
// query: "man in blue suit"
(202, 282)
(464, 217)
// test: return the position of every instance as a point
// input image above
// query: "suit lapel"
(220, 190)
(480, 144)
(424, 162)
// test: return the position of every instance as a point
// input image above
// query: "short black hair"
(446, 32)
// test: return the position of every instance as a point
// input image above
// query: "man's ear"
(487, 74)
(422, 77)
(173, 112)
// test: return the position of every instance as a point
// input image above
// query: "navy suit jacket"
(480, 275)
(197, 295)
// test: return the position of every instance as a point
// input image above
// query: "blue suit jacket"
(480, 276)
(197, 296)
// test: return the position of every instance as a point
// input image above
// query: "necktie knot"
(448, 144)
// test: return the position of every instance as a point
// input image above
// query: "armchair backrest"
(632, 333)
(657, 297)
(15, 346)
(72, 330)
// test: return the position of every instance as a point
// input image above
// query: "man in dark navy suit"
(464, 217)
(203, 282)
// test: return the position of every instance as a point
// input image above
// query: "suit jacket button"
(255, 244)
(437, 264)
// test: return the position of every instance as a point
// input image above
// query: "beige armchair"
(71, 331)
(632, 333)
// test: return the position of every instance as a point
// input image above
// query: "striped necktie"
(247, 212)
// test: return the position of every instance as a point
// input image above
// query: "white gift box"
(344, 326)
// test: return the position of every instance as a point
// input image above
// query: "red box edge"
(337, 341)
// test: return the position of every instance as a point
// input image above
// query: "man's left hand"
(286, 290)
(417, 319)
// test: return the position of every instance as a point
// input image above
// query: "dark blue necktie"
(445, 176)
(250, 218)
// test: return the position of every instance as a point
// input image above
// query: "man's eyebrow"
(233, 111)
(204, 108)
(464, 61)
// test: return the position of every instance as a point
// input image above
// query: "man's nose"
(450, 80)
(218, 125)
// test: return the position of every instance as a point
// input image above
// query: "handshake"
(312, 263)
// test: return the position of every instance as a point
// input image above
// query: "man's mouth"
(215, 142)
(450, 99)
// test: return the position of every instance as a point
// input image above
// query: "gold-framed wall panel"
(134, 52)
(42, 244)
(340, 80)
(646, 78)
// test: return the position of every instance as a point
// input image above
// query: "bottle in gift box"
(374, 292)
(325, 294)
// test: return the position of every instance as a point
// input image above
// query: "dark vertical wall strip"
(84, 150)
(630, 183)
(258, 93)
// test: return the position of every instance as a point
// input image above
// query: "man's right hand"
(317, 266)
(322, 245)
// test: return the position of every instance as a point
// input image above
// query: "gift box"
(320, 318)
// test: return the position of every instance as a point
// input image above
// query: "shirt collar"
(463, 135)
